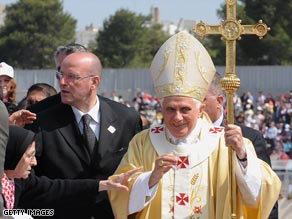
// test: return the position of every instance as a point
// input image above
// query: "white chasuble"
(185, 187)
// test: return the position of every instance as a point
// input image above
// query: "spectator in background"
(261, 98)
(114, 96)
(287, 139)
(39, 91)
(272, 133)
(7, 83)
(259, 116)
(270, 101)
(237, 105)
(35, 93)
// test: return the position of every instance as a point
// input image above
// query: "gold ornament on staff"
(231, 30)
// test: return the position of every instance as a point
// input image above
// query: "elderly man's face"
(180, 115)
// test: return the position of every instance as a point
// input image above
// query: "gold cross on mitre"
(231, 30)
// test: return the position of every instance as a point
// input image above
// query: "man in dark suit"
(214, 101)
(63, 151)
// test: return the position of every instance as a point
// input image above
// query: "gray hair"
(215, 87)
(68, 49)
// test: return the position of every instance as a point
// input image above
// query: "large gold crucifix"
(231, 30)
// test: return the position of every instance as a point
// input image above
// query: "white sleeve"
(140, 194)
(22, 216)
(249, 179)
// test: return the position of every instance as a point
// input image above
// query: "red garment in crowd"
(8, 189)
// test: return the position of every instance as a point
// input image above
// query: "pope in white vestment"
(185, 161)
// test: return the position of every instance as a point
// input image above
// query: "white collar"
(93, 112)
(219, 121)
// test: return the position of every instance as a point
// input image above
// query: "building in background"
(168, 26)
(87, 37)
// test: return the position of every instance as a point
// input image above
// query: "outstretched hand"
(21, 118)
(119, 182)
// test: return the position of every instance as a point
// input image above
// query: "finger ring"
(161, 163)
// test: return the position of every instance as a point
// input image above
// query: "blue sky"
(96, 11)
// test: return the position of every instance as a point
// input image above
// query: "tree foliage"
(32, 31)
(273, 49)
(127, 41)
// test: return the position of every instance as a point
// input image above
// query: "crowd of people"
(87, 156)
(270, 115)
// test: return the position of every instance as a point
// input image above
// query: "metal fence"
(126, 82)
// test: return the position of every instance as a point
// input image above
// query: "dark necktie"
(89, 135)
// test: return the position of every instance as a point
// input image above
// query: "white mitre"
(182, 67)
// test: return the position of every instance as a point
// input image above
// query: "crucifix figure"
(231, 30)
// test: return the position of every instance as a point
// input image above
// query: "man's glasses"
(71, 78)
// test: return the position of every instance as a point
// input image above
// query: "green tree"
(128, 40)
(32, 31)
(151, 40)
(274, 49)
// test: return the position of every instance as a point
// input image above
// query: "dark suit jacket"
(63, 155)
(259, 144)
(3, 141)
(45, 104)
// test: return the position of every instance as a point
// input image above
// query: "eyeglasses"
(30, 156)
(71, 78)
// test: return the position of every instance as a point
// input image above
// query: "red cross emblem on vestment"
(215, 130)
(171, 210)
(157, 129)
(182, 199)
(183, 162)
(197, 209)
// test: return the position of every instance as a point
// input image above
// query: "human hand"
(162, 165)
(233, 138)
(119, 182)
(21, 118)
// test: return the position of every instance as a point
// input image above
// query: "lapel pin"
(111, 129)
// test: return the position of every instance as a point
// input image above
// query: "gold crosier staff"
(231, 30)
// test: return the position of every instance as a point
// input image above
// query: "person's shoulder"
(122, 108)
(45, 103)
(55, 117)
(57, 109)
(3, 112)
